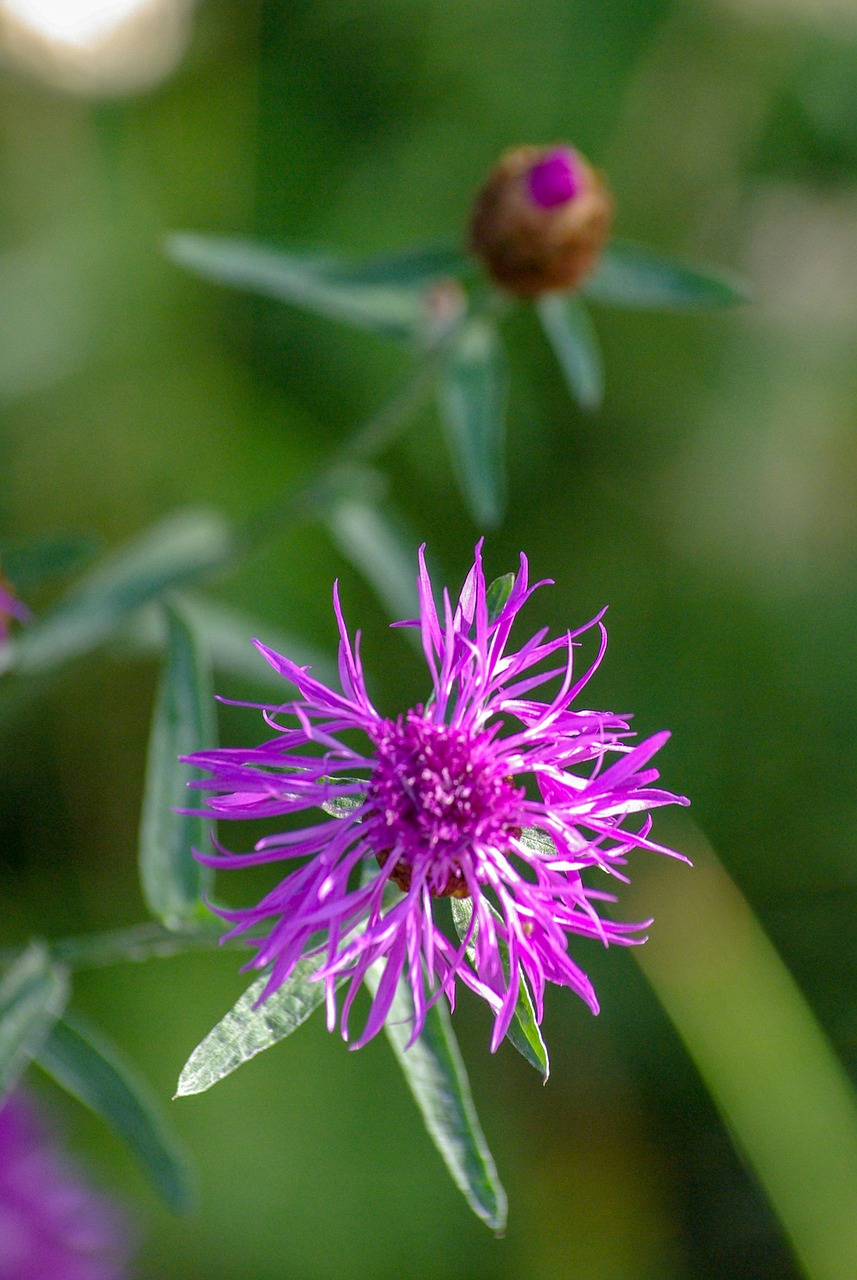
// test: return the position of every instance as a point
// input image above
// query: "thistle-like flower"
(480, 793)
(52, 1226)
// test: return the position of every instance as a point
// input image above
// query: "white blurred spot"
(95, 46)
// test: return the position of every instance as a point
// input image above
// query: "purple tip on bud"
(555, 179)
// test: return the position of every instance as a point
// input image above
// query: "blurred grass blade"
(173, 881)
(435, 1073)
(374, 545)
(246, 1031)
(29, 564)
(524, 1032)
(33, 994)
(323, 285)
(180, 549)
(473, 391)
(631, 276)
(92, 1071)
(572, 335)
(766, 1062)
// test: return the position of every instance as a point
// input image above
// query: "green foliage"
(93, 1071)
(173, 881)
(524, 1032)
(572, 335)
(33, 994)
(629, 275)
(250, 1027)
(435, 1072)
(473, 392)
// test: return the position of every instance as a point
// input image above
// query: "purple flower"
(555, 178)
(52, 1226)
(481, 793)
(10, 607)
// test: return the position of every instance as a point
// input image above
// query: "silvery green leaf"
(472, 393)
(572, 335)
(629, 275)
(33, 994)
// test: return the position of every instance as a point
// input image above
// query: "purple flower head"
(556, 178)
(481, 793)
(10, 607)
(52, 1226)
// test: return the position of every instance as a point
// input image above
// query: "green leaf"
(183, 722)
(411, 266)
(375, 546)
(524, 1032)
(473, 392)
(226, 635)
(631, 276)
(572, 335)
(28, 564)
(91, 1070)
(434, 1070)
(180, 549)
(497, 594)
(375, 299)
(246, 1031)
(33, 994)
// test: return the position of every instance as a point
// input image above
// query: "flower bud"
(541, 220)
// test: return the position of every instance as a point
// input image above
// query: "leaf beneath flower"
(572, 335)
(524, 1032)
(246, 1030)
(435, 1072)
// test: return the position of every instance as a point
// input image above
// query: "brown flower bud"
(541, 220)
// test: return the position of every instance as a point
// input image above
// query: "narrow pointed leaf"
(371, 541)
(246, 1030)
(631, 276)
(411, 266)
(91, 1070)
(29, 564)
(572, 335)
(524, 1032)
(33, 994)
(178, 550)
(434, 1070)
(173, 880)
(473, 393)
(497, 593)
(379, 302)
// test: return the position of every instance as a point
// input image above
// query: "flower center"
(439, 796)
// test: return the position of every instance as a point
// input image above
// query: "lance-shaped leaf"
(434, 1070)
(374, 545)
(473, 393)
(183, 722)
(378, 299)
(247, 1030)
(91, 1070)
(178, 550)
(30, 563)
(33, 994)
(524, 1032)
(497, 593)
(572, 335)
(631, 276)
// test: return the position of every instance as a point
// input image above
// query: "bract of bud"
(541, 220)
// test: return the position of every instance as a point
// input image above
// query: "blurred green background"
(712, 504)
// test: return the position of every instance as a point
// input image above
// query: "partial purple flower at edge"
(443, 796)
(52, 1226)
(10, 607)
